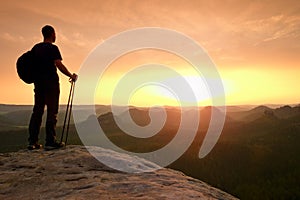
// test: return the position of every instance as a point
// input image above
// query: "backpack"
(25, 67)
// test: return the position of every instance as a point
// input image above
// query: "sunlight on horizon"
(154, 94)
(240, 86)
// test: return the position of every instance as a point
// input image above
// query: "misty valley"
(256, 156)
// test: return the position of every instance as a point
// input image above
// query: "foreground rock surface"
(72, 173)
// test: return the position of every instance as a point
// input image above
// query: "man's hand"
(74, 77)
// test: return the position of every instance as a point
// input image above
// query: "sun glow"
(259, 85)
(155, 94)
(241, 86)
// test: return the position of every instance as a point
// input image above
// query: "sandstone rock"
(72, 173)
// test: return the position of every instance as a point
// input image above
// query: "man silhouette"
(46, 89)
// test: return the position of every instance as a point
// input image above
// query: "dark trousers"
(44, 95)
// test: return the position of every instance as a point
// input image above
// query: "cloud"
(274, 27)
(287, 27)
(12, 38)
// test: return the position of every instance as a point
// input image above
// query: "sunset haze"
(254, 44)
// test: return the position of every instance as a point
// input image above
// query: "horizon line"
(264, 104)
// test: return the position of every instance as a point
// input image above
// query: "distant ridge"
(261, 108)
(283, 112)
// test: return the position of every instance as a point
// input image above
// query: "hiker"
(46, 89)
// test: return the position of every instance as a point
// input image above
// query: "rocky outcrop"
(72, 173)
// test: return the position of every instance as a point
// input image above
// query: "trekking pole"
(70, 111)
(66, 115)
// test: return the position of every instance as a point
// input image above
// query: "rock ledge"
(72, 173)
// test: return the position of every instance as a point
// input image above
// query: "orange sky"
(254, 44)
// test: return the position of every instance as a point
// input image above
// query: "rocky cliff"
(72, 173)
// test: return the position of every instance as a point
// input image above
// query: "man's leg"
(52, 102)
(36, 117)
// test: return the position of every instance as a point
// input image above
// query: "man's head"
(48, 33)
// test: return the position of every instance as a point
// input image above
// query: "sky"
(255, 45)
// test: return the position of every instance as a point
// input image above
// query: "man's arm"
(64, 70)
